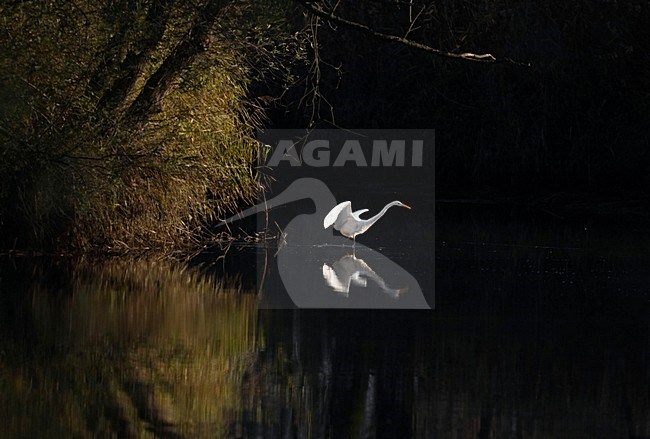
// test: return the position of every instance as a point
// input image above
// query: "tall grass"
(76, 173)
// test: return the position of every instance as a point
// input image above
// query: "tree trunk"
(136, 60)
(162, 82)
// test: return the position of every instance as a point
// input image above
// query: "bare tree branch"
(467, 56)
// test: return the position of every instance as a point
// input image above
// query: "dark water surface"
(539, 328)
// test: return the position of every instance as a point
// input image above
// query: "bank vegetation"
(128, 125)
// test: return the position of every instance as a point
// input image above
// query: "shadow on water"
(540, 329)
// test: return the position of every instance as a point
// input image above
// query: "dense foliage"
(127, 124)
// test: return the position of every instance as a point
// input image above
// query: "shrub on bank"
(124, 125)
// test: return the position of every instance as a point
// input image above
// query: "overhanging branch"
(467, 56)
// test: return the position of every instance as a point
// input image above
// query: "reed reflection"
(126, 348)
(142, 349)
(529, 340)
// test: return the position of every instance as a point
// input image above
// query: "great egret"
(349, 223)
(309, 247)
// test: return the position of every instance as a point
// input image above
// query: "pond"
(535, 326)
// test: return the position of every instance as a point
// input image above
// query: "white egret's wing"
(332, 279)
(334, 214)
(359, 212)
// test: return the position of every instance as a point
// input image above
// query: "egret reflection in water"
(352, 271)
(306, 247)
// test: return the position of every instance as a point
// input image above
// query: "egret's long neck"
(374, 219)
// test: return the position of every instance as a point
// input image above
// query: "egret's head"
(403, 205)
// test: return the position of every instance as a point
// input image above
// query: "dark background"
(574, 120)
